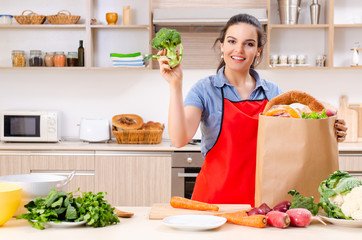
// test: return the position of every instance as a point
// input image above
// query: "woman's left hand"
(341, 129)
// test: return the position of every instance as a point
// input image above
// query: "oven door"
(183, 181)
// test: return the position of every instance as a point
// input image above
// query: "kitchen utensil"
(10, 195)
(123, 214)
(162, 210)
(36, 185)
(315, 9)
(289, 11)
(351, 118)
(358, 107)
(94, 130)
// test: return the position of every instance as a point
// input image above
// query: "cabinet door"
(351, 163)
(14, 163)
(64, 163)
(134, 179)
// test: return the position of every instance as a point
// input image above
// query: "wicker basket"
(31, 18)
(138, 136)
(62, 18)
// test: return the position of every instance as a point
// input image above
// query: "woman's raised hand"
(172, 75)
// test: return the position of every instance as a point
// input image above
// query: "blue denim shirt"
(206, 95)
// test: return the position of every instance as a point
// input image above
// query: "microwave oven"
(30, 126)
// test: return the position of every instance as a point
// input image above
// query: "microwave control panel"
(52, 126)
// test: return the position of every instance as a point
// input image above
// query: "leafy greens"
(303, 202)
(315, 115)
(59, 206)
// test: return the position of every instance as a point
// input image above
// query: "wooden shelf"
(299, 68)
(146, 27)
(285, 26)
(71, 68)
(43, 26)
(348, 25)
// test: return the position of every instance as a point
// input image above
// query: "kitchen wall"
(104, 93)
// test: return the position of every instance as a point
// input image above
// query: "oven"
(185, 168)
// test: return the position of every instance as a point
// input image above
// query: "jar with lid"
(59, 59)
(72, 59)
(18, 58)
(35, 59)
(49, 59)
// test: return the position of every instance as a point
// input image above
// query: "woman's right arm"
(182, 121)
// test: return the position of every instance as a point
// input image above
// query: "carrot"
(258, 221)
(232, 215)
(180, 202)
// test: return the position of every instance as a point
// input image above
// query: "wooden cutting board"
(358, 107)
(161, 210)
(351, 118)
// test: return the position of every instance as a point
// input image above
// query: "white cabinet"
(100, 40)
(134, 178)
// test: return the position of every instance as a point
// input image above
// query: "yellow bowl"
(10, 196)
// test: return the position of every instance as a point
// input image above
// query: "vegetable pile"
(168, 39)
(315, 115)
(341, 196)
(59, 206)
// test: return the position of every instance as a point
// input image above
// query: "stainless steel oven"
(185, 168)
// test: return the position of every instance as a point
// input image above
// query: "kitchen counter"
(140, 227)
(74, 145)
(165, 145)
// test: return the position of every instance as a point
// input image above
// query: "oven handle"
(187, 174)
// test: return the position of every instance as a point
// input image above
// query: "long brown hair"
(243, 18)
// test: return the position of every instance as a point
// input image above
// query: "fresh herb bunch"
(59, 206)
(303, 202)
(315, 115)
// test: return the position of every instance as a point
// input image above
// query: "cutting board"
(350, 116)
(358, 107)
(161, 210)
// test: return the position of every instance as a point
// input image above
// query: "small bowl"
(10, 196)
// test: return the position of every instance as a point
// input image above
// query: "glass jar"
(59, 59)
(18, 58)
(72, 59)
(35, 59)
(49, 59)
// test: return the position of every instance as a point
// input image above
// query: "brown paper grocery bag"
(293, 154)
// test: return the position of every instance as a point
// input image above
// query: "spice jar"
(72, 59)
(49, 59)
(18, 58)
(35, 59)
(59, 59)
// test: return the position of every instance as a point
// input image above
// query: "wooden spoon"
(123, 214)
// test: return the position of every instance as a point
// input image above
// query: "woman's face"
(240, 47)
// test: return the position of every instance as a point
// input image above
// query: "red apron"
(228, 173)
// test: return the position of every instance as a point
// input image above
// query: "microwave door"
(22, 127)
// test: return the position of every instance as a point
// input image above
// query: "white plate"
(343, 222)
(194, 222)
(62, 224)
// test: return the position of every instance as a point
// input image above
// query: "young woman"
(227, 105)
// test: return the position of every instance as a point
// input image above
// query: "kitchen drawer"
(352, 163)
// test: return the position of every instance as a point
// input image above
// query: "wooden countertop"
(140, 227)
(165, 145)
(74, 145)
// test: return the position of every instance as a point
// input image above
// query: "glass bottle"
(18, 58)
(81, 54)
(49, 59)
(35, 59)
(72, 59)
(59, 59)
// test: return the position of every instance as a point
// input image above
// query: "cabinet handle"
(187, 174)
(350, 154)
